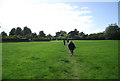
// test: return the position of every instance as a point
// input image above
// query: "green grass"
(93, 59)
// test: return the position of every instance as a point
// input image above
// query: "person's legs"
(71, 52)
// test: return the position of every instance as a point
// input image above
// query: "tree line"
(111, 32)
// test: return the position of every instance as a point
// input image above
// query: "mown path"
(71, 64)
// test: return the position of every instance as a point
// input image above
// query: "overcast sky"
(89, 17)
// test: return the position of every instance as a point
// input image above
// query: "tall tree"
(93, 36)
(63, 33)
(57, 34)
(34, 35)
(112, 32)
(26, 30)
(3, 34)
(49, 36)
(18, 31)
(82, 35)
(42, 34)
(12, 32)
(74, 34)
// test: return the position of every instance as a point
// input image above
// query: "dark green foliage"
(12, 32)
(29, 36)
(15, 40)
(96, 36)
(12, 37)
(34, 35)
(101, 35)
(112, 32)
(3, 34)
(26, 31)
(41, 34)
(18, 31)
(61, 34)
(84, 36)
(81, 33)
(74, 34)
(49, 36)
(93, 36)
(57, 34)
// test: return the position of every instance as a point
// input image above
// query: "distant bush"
(15, 40)
(12, 37)
(41, 39)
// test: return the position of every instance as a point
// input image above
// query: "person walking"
(71, 47)
(64, 42)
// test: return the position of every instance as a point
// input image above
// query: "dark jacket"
(71, 46)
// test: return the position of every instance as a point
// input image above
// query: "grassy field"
(93, 59)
